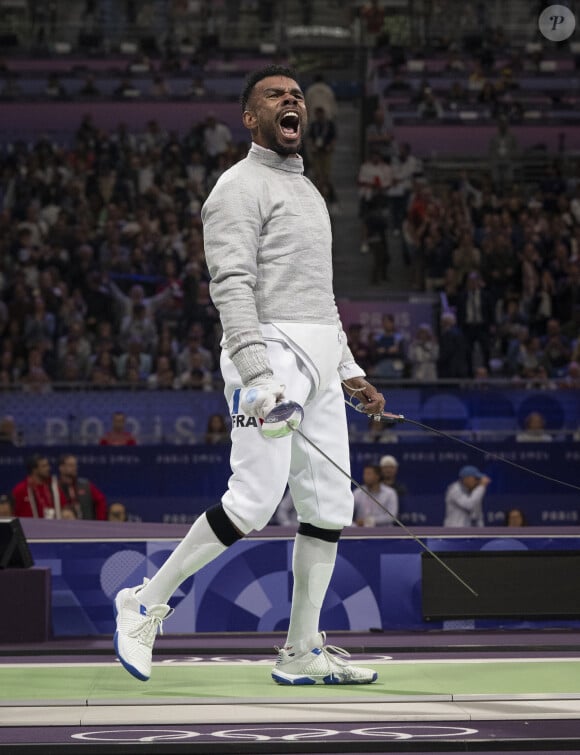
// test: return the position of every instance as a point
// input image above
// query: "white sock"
(312, 565)
(198, 548)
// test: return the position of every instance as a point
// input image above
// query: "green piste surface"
(247, 680)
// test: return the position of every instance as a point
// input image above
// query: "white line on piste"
(380, 661)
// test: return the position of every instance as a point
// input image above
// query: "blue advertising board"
(376, 583)
(175, 484)
(180, 417)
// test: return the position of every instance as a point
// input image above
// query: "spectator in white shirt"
(217, 139)
(534, 430)
(374, 179)
(367, 512)
(464, 498)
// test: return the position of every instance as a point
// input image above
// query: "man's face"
(470, 482)
(68, 468)
(370, 476)
(388, 472)
(43, 469)
(276, 115)
(117, 513)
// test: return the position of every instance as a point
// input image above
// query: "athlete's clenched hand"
(260, 396)
(361, 390)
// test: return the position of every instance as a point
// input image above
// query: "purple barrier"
(240, 65)
(30, 119)
(552, 81)
(438, 65)
(438, 140)
(67, 64)
(216, 87)
(222, 87)
(427, 140)
(408, 314)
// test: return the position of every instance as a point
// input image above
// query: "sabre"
(392, 419)
(286, 417)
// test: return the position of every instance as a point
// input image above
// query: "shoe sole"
(281, 678)
(126, 665)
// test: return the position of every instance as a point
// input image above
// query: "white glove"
(259, 399)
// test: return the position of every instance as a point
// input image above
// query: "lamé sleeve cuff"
(349, 370)
(251, 362)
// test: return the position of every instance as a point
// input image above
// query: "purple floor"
(384, 642)
(523, 736)
(515, 730)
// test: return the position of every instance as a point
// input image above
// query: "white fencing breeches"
(261, 467)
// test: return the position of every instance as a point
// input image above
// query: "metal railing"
(155, 26)
(103, 26)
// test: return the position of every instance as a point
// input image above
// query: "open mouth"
(290, 125)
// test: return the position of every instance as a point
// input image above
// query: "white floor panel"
(521, 709)
(253, 701)
(295, 712)
(49, 716)
(273, 713)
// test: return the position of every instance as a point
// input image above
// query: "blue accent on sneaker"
(142, 610)
(316, 651)
(301, 680)
(127, 666)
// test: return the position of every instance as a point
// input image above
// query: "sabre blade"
(389, 417)
(384, 508)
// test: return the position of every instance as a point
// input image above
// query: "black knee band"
(222, 526)
(331, 536)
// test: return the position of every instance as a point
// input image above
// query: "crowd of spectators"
(102, 269)
(504, 261)
(103, 277)
(476, 67)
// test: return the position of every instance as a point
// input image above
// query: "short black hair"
(33, 461)
(263, 73)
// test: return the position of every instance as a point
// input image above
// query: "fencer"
(267, 239)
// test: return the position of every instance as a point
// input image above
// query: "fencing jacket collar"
(274, 160)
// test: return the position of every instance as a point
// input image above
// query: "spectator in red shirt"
(81, 495)
(38, 495)
(117, 435)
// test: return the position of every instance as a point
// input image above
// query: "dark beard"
(281, 149)
(285, 151)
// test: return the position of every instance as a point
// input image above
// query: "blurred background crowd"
(443, 137)
(102, 274)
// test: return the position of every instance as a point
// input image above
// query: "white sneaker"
(137, 628)
(320, 665)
